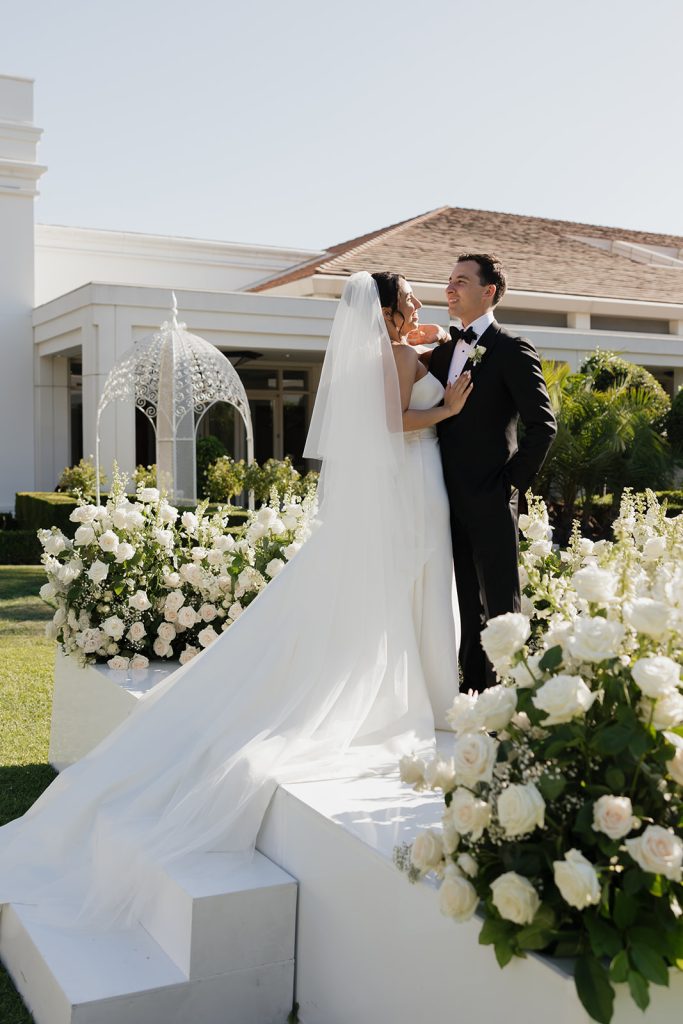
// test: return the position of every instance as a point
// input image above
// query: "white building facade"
(73, 300)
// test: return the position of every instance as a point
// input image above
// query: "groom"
(485, 467)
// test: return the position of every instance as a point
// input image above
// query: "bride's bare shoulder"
(405, 355)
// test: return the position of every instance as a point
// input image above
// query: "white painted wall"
(19, 173)
(67, 258)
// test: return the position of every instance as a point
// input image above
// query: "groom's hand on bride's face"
(428, 334)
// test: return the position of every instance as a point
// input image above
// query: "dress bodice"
(427, 392)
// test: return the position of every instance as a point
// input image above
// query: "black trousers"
(485, 557)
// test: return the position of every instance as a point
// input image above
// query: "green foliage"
(41, 510)
(145, 476)
(19, 547)
(272, 475)
(674, 425)
(209, 449)
(225, 478)
(610, 435)
(80, 479)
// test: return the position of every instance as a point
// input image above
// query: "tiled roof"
(539, 255)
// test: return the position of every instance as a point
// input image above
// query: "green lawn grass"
(26, 678)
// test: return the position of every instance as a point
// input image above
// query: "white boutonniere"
(478, 354)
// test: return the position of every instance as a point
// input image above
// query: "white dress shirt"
(463, 351)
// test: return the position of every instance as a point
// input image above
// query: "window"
(531, 317)
(629, 325)
(75, 410)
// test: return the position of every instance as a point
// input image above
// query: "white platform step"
(222, 951)
(90, 702)
(373, 948)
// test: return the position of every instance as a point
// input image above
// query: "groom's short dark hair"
(490, 271)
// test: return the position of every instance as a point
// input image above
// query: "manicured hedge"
(40, 510)
(19, 547)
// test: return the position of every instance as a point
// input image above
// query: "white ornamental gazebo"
(174, 377)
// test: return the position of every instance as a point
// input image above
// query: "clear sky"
(306, 123)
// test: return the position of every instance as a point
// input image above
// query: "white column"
(19, 174)
(52, 419)
(579, 321)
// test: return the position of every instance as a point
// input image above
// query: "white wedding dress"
(321, 675)
(434, 597)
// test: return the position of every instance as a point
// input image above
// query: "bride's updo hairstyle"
(387, 287)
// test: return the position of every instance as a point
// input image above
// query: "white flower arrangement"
(478, 354)
(566, 827)
(140, 580)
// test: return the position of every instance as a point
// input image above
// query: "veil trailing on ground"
(312, 680)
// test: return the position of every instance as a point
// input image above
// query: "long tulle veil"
(320, 675)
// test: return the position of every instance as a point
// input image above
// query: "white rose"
(504, 636)
(658, 851)
(135, 520)
(412, 771)
(190, 522)
(167, 632)
(613, 815)
(440, 774)
(462, 714)
(90, 640)
(161, 648)
(468, 865)
(118, 663)
(136, 632)
(120, 517)
(70, 571)
(165, 538)
(468, 814)
(594, 584)
(577, 880)
(167, 513)
(236, 610)
(191, 573)
(474, 756)
(563, 698)
(537, 529)
(667, 713)
(654, 548)
(98, 571)
(84, 535)
(207, 636)
(83, 514)
(109, 541)
(520, 809)
(174, 601)
(586, 547)
(59, 617)
(540, 548)
(125, 552)
(496, 706)
(427, 850)
(139, 601)
(171, 616)
(208, 612)
(457, 897)
(291, 549)
(114, 627)
(139, 661)
(48, 591)
(656, 675)
(274, 567)
(515, 898)
(524, 522)
(675, 765)
(188, 654)
(54, 543)
(187, 616)
(172, 579)
(595, 639)
(526, 673)
(148, 495)
(648, 617)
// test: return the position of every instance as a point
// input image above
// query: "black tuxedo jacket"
(479, 447)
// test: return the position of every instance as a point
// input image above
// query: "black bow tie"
(469, 336)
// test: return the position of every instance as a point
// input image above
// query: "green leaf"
(639, 990)
(634, 881)
(605, 940)
(612, 739)
(594, 988)
(625, 910)
(493, 930)
(504, 953)
(551, 787)
(615, 779)
(641, 743)
(650, 938)
(551, 660)
(618, 969)
(674, 939)
(650, 964)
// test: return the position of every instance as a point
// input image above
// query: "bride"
(329, 671)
